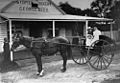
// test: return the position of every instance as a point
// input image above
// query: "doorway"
(35, 30)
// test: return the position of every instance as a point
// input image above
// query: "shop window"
(17, 29)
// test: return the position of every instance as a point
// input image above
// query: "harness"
(38, 40)
(44, 47)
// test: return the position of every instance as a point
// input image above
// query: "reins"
(38, 40)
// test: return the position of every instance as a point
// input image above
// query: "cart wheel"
(81, 57)
(101, 55)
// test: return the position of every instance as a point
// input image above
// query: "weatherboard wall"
(3, 33)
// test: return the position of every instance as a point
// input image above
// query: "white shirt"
(96, 35)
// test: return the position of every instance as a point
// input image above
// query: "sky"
(83, 4)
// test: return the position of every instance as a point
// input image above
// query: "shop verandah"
(51, 21)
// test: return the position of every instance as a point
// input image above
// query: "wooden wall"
(115, 35)
(3, 33)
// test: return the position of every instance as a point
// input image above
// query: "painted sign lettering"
(41, 9)
(37, 5)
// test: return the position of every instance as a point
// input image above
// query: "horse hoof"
(63, 70)
(40, 74)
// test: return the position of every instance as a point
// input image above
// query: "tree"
(102, 7)
(115, 14)
(68, 9)
(89, 12)
(115, 10)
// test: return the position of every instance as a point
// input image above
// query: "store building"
(40, 18)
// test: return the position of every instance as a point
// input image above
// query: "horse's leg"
(39, 65)
(64, 56)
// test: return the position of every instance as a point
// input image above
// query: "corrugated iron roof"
(3, 3)
(15, 16)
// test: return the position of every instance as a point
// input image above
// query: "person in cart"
(92, 35)
(89, 36)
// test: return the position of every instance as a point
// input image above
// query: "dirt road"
(75, 73)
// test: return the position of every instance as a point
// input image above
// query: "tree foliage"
(89, 12)
(99, 8)
(102, 7)
(67, 8)
(115, 14)
(115, 10)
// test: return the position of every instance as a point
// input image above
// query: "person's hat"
(89, 27)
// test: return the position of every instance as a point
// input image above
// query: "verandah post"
(86, 28)
(53, 24)
(10, 39)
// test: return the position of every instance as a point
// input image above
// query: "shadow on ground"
(117, 80)
(8, 66)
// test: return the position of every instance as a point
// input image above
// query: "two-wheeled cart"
(99, 55)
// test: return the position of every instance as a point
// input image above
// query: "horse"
(44, 47)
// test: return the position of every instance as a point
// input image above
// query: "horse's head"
(16, 41)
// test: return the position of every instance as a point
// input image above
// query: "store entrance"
(35, 30)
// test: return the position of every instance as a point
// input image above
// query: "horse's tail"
(69, 50)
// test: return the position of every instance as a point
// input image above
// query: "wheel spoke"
(98, 62)
(95, 61)
(101, 55)
(76, 59)
(101, 62)
(93, 58)
(81, 58)
(108, 57)
(86, 59)
(104, 62)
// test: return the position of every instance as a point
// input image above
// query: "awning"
(38, 17)
(65, 17)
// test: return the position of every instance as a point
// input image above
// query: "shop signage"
(33, 5)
